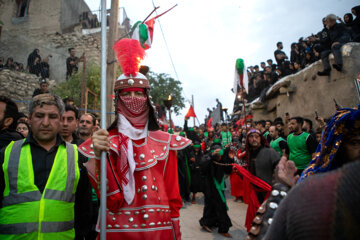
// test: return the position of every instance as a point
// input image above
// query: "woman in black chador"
(213, 166)
(196, 178)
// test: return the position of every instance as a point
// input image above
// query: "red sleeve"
(171, 177)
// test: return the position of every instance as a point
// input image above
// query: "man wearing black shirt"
(280, 56)
(72, 62)
(338, 35)
(44, 88)
(44, 141)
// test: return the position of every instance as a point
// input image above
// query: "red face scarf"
(135, 109)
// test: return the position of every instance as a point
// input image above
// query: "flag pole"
(103, 122)
(244, 107)
(150, 14)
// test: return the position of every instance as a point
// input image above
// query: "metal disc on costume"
(144, 188)
(274, 193)
(273, 205)
(131, 82)
(283, 194)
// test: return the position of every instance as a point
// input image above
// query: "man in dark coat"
(338, 35)
(214, 166)
(260, 158)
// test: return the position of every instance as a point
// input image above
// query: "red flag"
(242, 121)
(209, 122)
(191, 112)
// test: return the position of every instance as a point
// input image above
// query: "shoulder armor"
(175, 142)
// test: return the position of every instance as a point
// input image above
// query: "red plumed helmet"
(129, 54)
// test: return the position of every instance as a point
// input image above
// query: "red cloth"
(191, 112)
(242, 121)
(135, 109)
(251, 184)
(209, 123)
(236, 185)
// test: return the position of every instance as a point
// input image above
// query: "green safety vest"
(275, 145)
(266, 134)
(25, 212)
(225, 138)
(298, 150)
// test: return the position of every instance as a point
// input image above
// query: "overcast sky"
(206, 37)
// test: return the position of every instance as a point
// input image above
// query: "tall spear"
(103, 122)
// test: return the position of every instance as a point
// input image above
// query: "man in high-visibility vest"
(39, 177)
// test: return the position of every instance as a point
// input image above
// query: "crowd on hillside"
(330, 39)
(40, 66)
(35, 64)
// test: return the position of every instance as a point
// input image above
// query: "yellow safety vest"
(28, 214)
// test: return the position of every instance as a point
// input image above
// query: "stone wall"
(302, 93)
(19, 87)
(53, 43)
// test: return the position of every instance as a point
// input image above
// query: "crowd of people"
(257, 147)
(40, 66)
(330, 39)
(50, 166)
(35, 65)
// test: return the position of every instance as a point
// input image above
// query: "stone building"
(52, 26)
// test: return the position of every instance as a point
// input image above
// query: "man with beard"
(8, 118)
(278, 143)
(40, 179)
(143, 198)
(206, 144)
(87, 124)
(301, 144)
(196, 177)
(261, 160)
(213, 166)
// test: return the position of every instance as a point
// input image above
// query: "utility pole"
(111, 68)
(192, 103)
(83, 105)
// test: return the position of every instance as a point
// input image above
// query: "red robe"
(154, 212)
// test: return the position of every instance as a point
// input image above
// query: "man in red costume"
(143, 197)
